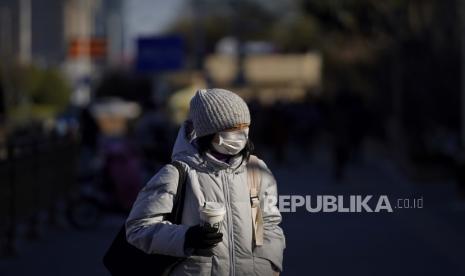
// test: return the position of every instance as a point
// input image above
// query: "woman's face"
(231, 141)
(241, 127)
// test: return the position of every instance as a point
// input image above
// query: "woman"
(215, 153)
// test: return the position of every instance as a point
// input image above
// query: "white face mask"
(231, 142)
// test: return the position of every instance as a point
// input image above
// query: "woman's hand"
(199, 237)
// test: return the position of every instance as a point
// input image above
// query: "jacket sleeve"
(273, 237)
(146, 228)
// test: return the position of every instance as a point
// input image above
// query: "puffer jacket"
(208, 179)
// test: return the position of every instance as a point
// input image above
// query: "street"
(427, 241)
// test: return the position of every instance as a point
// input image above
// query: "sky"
(149, 17)
(153, 17)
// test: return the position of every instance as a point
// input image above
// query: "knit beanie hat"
(214, 110)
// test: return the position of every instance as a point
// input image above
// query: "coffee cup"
(212, 215)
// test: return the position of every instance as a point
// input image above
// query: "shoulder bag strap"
(254, 183)
(178, 204)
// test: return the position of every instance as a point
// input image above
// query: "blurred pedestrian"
(278, 130)
(154, 134)
(88, 154)
(348, 125)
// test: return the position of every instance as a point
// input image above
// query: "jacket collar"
(184, 150)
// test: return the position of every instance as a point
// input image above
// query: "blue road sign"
(159, 54)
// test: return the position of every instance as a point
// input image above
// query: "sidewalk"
(64, 252)
(428, 241)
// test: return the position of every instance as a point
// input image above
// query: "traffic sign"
(161, 53)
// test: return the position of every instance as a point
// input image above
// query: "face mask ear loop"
(220, 140)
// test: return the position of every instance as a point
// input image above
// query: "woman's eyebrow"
(238, 127)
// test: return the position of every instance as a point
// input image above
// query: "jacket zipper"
(230, 225)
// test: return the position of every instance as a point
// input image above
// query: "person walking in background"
(349, 126)
(214, 147)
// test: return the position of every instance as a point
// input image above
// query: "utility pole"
(461, 22)
(79, 16)
(5, 55)
(199, 35)
(114, 38)
(25, 31)
(240, 78)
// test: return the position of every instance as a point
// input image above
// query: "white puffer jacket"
(208, 179)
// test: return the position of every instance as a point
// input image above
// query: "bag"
(123, 259)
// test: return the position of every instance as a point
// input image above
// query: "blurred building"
(271, 77)
(80, 36)
(33, 30)
(40, 31)
(94, 32)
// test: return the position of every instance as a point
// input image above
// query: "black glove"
(198, 237)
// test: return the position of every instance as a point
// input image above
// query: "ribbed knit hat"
(214, 110)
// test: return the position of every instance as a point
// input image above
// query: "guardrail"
(35, 174)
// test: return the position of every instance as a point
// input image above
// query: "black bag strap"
(123, 259)
(178, 204)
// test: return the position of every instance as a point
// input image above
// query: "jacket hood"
(184, 150)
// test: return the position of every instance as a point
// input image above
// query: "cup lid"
(213, 208)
